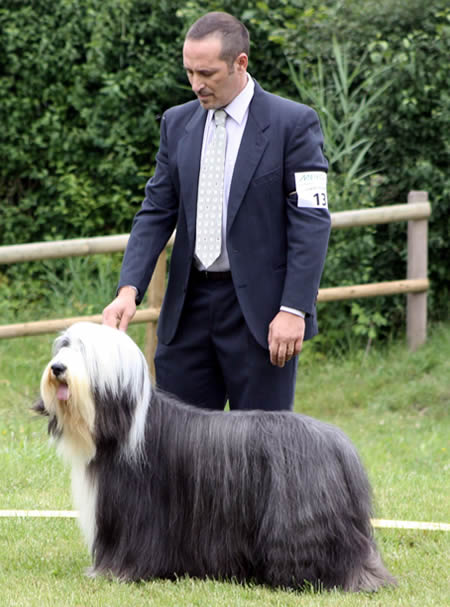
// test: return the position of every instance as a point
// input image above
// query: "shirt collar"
(238, 107)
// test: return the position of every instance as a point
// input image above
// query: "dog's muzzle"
(58, 369)
(59, 373)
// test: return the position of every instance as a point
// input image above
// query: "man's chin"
(207, 102)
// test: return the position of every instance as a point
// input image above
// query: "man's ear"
(242, 62)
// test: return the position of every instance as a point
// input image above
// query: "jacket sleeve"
(308, 228)
(153, 224)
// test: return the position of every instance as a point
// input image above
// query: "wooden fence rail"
(416, 211)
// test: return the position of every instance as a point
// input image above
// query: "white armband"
(311, 187)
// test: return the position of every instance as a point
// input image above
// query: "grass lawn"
(392, 403)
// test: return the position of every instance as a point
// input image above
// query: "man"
(242, 289)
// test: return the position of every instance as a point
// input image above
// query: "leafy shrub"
(81, 87)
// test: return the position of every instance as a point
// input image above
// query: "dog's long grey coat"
(278, 498)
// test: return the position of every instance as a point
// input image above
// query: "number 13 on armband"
(321, 199)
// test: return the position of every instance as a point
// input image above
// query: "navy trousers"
(214, 357)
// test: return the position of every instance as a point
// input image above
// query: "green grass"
(392, 403)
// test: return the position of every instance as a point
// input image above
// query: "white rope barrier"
(386, 524)
(376, 522)
(38, 514)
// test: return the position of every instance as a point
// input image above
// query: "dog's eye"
(61, 342)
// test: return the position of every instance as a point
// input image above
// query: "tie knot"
(220, 117)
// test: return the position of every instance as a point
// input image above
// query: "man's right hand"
(121, 310)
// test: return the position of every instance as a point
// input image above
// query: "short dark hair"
(234, 34)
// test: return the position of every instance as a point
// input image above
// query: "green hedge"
(84, 82)
(81, 87)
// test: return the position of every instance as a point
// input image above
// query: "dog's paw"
(90, 572)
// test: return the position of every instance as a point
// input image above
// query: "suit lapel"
(253, 144)
(188, 155)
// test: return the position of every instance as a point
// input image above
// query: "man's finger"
(125, 320)
(273, 349)
(298, 346)
(282, 355)
(109, 318)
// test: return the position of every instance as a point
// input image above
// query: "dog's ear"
(39, 407)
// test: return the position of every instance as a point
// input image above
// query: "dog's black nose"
(58, 369)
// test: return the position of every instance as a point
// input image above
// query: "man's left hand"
(286, 332)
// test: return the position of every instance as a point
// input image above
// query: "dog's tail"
(371, 575)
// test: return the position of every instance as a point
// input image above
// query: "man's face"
(212, 79)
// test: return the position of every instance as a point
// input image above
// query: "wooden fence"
(416, 284)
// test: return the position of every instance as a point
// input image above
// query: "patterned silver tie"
(210, 195)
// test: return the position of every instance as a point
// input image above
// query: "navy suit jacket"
(276, 249)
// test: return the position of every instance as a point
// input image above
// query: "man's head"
(215, 56)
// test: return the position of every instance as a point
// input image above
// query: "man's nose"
(197, 83)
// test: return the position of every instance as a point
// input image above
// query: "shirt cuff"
(292, 311)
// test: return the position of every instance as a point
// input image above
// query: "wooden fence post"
(416, 314)
(154, 300)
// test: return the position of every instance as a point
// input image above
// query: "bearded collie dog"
(165, 489)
